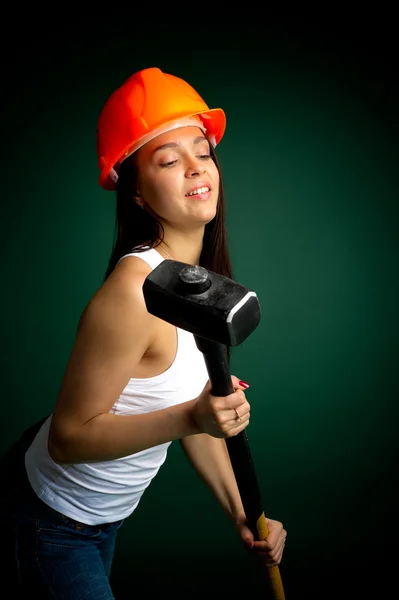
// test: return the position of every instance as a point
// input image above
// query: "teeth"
(201, 190)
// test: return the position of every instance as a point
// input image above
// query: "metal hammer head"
(205, 303)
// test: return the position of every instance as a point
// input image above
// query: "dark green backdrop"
(310, 165)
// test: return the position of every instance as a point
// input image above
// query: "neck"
(185, 247)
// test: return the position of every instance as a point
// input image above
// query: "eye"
(168, 164)
(205, 156)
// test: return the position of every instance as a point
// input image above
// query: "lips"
(199, 189)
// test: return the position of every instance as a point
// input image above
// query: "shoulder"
(128, 277)
(120, 297)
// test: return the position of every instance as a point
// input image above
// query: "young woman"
(133, 383)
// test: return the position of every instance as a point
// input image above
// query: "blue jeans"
(47, 554)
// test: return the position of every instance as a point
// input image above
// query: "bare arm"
(210, 459)
(113, 335)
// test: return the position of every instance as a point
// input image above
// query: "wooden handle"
(272, 573)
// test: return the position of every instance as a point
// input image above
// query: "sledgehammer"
(219, 312)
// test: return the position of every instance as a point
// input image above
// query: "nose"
(194, 167)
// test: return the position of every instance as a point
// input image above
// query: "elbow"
(59, 448)
(55, 451)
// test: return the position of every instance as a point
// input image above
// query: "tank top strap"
(151, 256)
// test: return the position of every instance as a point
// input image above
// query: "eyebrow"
(197, 140)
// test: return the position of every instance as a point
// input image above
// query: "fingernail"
(244, 384)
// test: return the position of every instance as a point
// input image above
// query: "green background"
(309, 160)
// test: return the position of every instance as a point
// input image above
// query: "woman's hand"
(222, 416)
(270, 550)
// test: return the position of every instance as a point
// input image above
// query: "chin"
(209, 213)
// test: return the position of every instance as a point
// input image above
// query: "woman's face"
(178, 179)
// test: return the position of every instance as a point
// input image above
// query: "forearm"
(210, 459)
(109, 436)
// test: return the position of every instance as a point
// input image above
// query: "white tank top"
(104, 492)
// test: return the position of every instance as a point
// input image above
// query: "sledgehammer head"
(205, 303)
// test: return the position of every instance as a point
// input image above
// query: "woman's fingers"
(271, 550)
(233, 415)
(231, 412)
(237, 404)
(239, 383)
(237, 408)
(240, 413)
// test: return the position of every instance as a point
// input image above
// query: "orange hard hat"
(146, 104)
